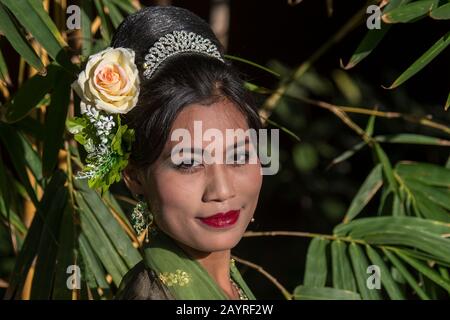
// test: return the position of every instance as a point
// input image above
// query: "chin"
(219, 242)
(210, 240)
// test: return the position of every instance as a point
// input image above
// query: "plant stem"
(300, 234)
(271, 278)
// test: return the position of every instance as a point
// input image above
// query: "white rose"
(110, 81)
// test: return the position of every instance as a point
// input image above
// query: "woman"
(197, 210)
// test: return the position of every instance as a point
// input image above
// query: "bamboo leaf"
(428, 258)
(13, 218)
(387, 168)
(397, 207)
(113, 12)
(25, 258)
(427, 228)
(87, 275)
(30, 95)
(430, 273)
(426, 173)
(421, 240)
(6, 211)
(100, 241)
(4, 75)
(92, 262)
(360, 264)
(31, 126)
(44, 271)
(111, 227)
(55, 119)
(22, 156)
(86, 21)
(39, 226)
(386, 195)
(34, 18)
(372, 37)
(429, 209)
(444, 273)
(412, 139)
(421, 234)
(423, 60)
(308, 293)
(364, 225)
(371, 40)
(66, 255)
(30, 156)
(370, 126)
(125, 5)
(316, 264)
(409, 12)
(104, 28)
(342, 270)
(47, 21)
(347, 154)
(440, 196)
(366, 192)
(441, 12)
(111, 202)
(447, 103)
(388, 283)
(10, 28)
(406, 274)
(4, 193)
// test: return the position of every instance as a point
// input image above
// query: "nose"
(219, 185)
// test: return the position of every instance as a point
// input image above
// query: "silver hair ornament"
(174, 43)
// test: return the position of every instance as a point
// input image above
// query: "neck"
(217, 264)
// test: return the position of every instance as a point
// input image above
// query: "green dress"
(167, 272)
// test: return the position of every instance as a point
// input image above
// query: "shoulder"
(142, 283)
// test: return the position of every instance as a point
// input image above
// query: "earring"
(253, 220)
(142, 219)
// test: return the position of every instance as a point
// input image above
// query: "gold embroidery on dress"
(179, 277)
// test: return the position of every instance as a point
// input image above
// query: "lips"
(222, 219)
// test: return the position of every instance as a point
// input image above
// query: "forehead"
(220, 115)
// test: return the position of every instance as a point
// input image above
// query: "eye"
(241, 158)
(189, 166)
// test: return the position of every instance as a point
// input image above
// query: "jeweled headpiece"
(174, 43)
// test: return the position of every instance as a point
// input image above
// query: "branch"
(271, 278)
(299, 234)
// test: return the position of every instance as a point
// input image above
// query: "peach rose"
(110, 81)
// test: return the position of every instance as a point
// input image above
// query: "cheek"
(175, 194)
(177, 204)
(248, 182)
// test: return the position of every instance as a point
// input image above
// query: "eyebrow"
(200, 151)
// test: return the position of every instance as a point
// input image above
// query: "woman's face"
(180, 195)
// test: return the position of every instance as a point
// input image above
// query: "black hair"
(180, 80)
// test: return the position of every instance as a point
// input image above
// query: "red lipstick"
(222, 219)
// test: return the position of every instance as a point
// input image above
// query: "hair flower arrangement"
(108, 87)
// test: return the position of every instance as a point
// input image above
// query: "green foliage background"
(398, 219)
